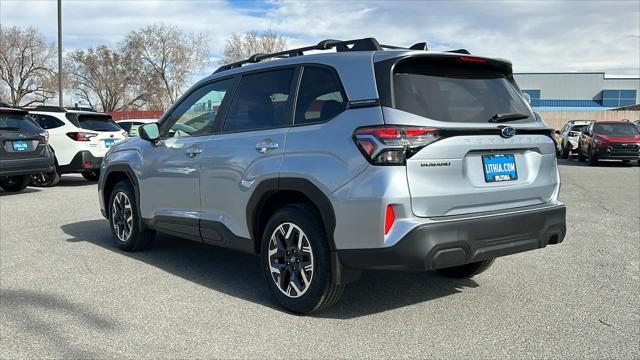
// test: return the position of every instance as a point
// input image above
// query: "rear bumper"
(82, 161)
(612, 155)
(27, 166)
(447, 243)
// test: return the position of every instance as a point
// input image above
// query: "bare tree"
(241, 46)
(26, 66)
(169, 55)
(105, 76)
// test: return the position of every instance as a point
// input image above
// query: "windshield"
(456, 93)
(619, 130)
(18, 122)
(579, 128)
(97, 123)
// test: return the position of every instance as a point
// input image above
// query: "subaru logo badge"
(507, 132)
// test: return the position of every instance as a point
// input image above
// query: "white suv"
(79, 140)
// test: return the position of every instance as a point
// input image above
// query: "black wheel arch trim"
(269, 187)
(128, 171)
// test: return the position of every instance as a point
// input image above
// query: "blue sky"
(537, 36)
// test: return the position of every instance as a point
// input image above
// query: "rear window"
(579, 128)
(455, 92)
(615, 130)
(10, 121)
(95, 122)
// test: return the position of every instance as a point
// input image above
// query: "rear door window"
(262, 101)
(320, 96)
(455, 92)
(47, 122)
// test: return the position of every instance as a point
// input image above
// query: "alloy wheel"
(291, 260)
(122, 216)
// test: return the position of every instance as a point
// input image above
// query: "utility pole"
(60, 100)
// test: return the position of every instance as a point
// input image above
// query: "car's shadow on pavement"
(71, 181)
(25, 191)
(601, 163)
(238, 274)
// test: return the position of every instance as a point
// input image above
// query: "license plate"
(108, 143)
(20, 146)
(499, 167)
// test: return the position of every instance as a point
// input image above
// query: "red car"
(611, 140)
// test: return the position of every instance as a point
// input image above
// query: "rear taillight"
(81, 136)
(393, 145)
(46, 137)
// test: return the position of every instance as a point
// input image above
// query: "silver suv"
(369, 157)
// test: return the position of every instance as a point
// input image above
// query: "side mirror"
(150, 132)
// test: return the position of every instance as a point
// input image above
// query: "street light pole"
(60, 100)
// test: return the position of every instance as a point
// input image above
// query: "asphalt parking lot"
(67, 292)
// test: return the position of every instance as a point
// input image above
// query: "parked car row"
(39, 144)
(592, 141)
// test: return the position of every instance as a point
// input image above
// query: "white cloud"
(535, 35)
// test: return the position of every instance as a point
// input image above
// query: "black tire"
(565, 153)
(592, 161)
(46, 179)
(137, 239)
(467, 271)
(92, 175)
(15, 183)
(319, 293)
(581, 157)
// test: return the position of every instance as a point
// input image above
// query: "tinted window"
(94, 122)
(199, 113)
(615, 129)
(455, 93)
(579, 128)
(17, 122)
(47, 122)
(261, 102)
(125, 125)
(320, 97)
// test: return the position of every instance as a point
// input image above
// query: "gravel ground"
(65, 291)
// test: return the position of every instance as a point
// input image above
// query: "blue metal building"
(588, 91)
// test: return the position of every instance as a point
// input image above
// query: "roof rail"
(364, 44)
(49, 108)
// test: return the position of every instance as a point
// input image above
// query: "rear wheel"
(296, 261)
(47, 179)
(565, 152)
(93, 175)
(15, 183)
(467, 271)
(123, 218)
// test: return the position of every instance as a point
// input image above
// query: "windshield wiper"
(500, 118)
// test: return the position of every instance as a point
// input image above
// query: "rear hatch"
(473, 164)
(20, 137)
(107, 131)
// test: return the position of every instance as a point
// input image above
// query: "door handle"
(193, 151)
(265, 147)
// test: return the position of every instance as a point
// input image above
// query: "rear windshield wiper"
(500, 118)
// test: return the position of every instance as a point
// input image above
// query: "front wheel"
(593, 161)
(93, 175)
(123, 218)
(296, 261)
(467, 271)
(15, 183)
